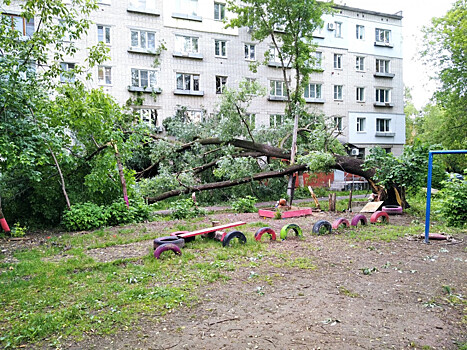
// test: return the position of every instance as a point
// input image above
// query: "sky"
(416, 14)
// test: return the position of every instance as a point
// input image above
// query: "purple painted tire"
(359, 218)
(340, 221)
(379, 216)
(168, 246)
(392, 209)
(179, 242)
(231, 235)
(264, 230)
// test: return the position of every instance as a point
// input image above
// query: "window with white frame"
(360, 63)
(276, 120)
(66, 72)
(219, 11)
(338, 123)
(312, 90)
(251, 120)
(143, 78)
(360, 94)
(382, 36)
(189, 7)
(277, 88)
(318, 55)
(361, 124)
(220, 84)
(274, 55)
(337, 92)
(187, 82)
(220, 48)
(148, 116)
(360, 32)
(103, 34)
(338, 31)
(383, 95)
(104, 75)
(383, 125)
(337, 61)
(22, 25)
(149, 5)
(382, 66)
(186, 44)
(64, 27)
(142, 39)
(250, 52)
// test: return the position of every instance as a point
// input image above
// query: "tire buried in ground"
(379, 216)
(231, 235)
(264, 230)
(168, 246)
(339, 222)
(322, 225)
(359, 218)
(288, 227)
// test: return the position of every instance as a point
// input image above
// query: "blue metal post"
(428, 197)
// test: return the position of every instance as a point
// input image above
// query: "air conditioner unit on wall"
(354, 152)
(331, 26)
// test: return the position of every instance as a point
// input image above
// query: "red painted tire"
(4, 225)
(340, 221)
(379, 216)
(319, 225)
(231, 235)
(187, 239)
(179, 242)
(168, 246)
(358, 218)
(264, 230)
(392, 209)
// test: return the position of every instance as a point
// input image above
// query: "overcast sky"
(416, 14)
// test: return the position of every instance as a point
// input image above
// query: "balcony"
(188, 92)
(384, 75)
(144, 11)
(383, 104)
(145, 89)
(192, 55)
(187, 17)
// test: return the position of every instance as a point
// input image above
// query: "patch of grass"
(385, 232)
(344, 291)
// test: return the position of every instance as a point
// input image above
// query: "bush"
(185, 209)
(453, 203)
(118, 213)
(245, 205)
(84, 216)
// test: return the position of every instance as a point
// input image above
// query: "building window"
(148, 116)
(383, 95)
(186, 44)
(143, 78)
(278, 88)
(337, 92)
(337, 61)
(143, 4)
(276, 120)
(220, 48)
(250, 52)
(189, 7)
(22, 25)
(66, 72)
(383, 125)
(251, 120)
(274, 55)
(382, 36)
(187, 82)
(104, 75)
(360, 94)
(103, 34)
(219, 11)
(143, 40)
(382, 66)
(338, 123)
(220, 84)
(360, 63)
(338, 31)
(360, 32)
(312, 91)
(361, 124)
(318, 60)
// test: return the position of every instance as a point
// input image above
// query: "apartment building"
(358, 83)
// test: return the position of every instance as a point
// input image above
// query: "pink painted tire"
(339, 222)
(379, 216)
(264, 230)
(392, 209)
(359, 218)
(168, 246)
(179, 242)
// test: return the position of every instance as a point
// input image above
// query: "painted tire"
(340, 221)
(4, 225)
(392, 209)
(377, 215)
(264, 230)
(187, 239)
(318, 226)
(179, 242)
(358, 218)
(286, 228)
(231, 235)
(168, 246)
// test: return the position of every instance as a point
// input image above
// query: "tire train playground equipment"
(176, 241)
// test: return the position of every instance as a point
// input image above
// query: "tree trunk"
(62, 180)
(122, 176)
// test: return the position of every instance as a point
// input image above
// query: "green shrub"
(185, 209)
(245, 205)
(18, 230)
(84, 216)
(118, 213)
(453, 202)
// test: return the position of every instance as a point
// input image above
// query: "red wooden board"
(211, 229)
(285, 214)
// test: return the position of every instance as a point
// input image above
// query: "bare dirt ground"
(362, 295)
